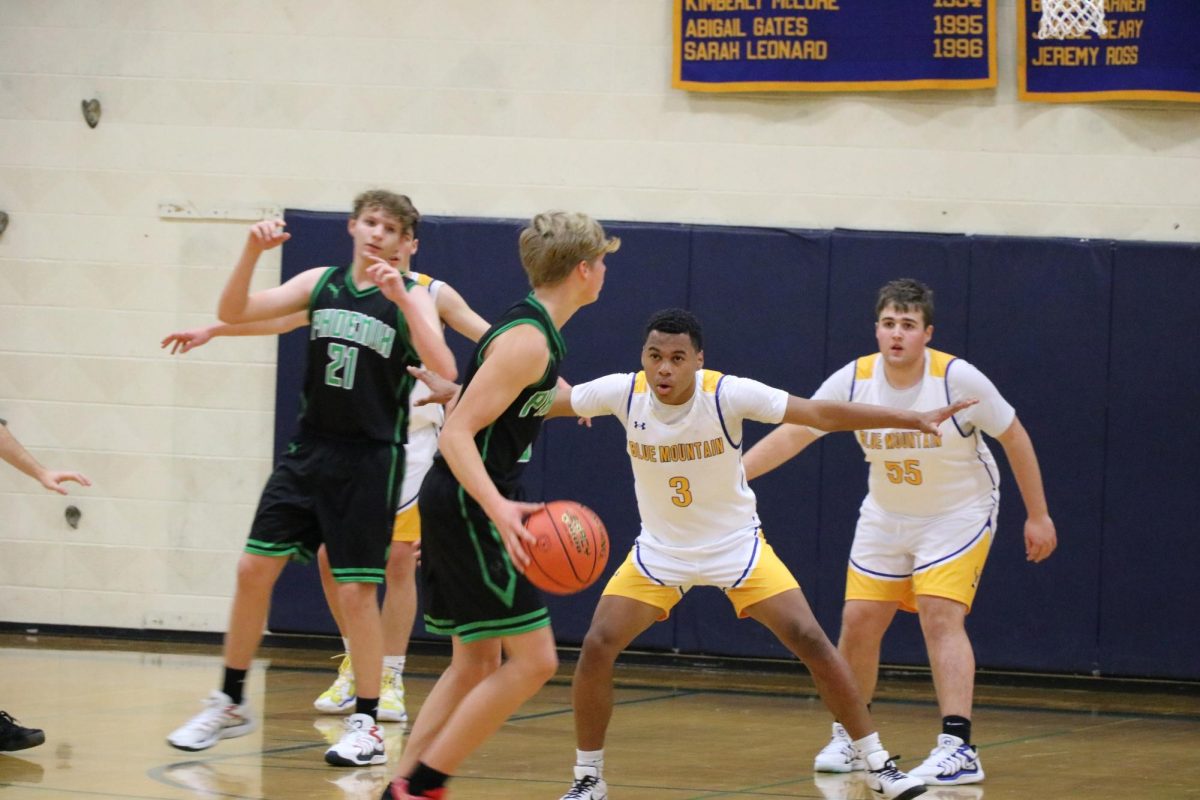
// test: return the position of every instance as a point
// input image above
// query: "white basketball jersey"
(920, 474)
(691, 487)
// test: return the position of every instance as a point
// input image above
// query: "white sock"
(591, 758)
(395, 664)
(868, 744)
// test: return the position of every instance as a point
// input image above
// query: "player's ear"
(928, 333)
(350, 226)
(700, 359)
(415, 244)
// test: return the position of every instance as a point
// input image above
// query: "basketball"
(571, 548)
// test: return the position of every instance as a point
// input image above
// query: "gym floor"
(679, 732)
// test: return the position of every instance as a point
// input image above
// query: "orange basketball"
(571, 548)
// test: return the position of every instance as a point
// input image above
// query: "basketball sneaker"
(887, 781)
(398, 790)
(838, 755)
(16, 737)
(340, 696)
(391, 698)
(951, 763)
(588, 785)
(220, 719)
(361, 744)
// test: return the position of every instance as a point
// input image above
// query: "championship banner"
(1151, 51)
(834, 45)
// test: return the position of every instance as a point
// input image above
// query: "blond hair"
(555, 242)
(391, 203)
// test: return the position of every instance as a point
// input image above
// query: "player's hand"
(54, 479)
(1040, 538)
(928, 421)
(183, 341)
(442, 391)
(509, 519)
(585, 422)
(388, 279)
(268, 234)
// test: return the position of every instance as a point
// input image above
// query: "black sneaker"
(14, 737)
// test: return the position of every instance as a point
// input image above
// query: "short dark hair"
(676, 320)
(906, 294)
(397, 205)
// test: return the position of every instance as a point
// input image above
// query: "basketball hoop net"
(1066, 19)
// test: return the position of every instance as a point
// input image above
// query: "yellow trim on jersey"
(708, 382)
(938, 362)
(640, 383)
(421, 278)
(864, 367)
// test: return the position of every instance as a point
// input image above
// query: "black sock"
(425, 779)
(957, 726)
(368, 706)
(234, 684)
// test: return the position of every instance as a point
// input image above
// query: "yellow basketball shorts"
(747, 573)
(418, 457)
(895, 558)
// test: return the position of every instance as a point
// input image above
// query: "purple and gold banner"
(1150, 52)
(834, 45)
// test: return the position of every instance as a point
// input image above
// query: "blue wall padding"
(1039, 327)
(1091, 341)
(1150, 606)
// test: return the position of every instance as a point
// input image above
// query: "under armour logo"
(641, 426)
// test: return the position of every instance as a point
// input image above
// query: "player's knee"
(256, 572)
(540, 666)
(402, 562)
(808, 641)
(600, 645)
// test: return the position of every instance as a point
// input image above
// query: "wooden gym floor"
(677, 733)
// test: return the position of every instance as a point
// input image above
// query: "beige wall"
(474, 107)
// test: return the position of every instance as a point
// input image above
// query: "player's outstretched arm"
(455, 312)
(183, 341)
(421, 315)
(12, 452)
(238, 305)
(1040, 536)
(515, 359)
(828, 415)
(777, 448)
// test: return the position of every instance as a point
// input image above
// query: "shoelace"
(955, 760)
(888, 770)
(582, 788)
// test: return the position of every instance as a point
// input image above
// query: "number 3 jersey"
(920, 474)
(356, 384)
(691, 488)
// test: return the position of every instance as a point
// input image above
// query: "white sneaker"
(887, 781)
(838, 755)
(339, 698)
(220, 719)
(951, 763)
(391, 698)
(588, 785)
(361, 744)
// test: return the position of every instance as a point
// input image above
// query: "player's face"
(670, 361)
(902, 336)
(377, 233)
